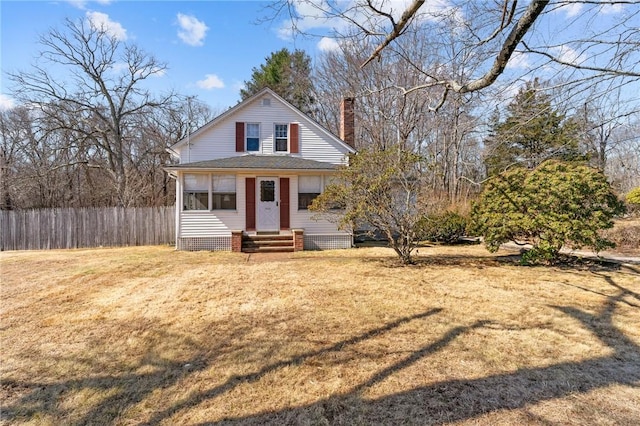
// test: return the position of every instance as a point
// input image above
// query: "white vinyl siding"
(220, 223)
(204, 224)
(218, 141)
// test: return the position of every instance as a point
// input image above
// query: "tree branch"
(525, 22)
(397, 29)
(582, 67)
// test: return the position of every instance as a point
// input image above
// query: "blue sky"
(210, 47)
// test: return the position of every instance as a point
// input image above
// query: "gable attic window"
(309, 187)
(253, 137)
(224, 192)
(282, 137)
(196, 192)
(266, 102)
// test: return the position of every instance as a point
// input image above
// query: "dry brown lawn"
(153, 336)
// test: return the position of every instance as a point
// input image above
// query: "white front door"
(268, 204)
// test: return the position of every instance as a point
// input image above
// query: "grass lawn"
(148, 335)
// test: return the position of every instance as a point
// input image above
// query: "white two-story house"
(245, 179)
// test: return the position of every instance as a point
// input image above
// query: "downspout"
(189, 142)
(179, 196)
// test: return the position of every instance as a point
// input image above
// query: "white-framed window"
(223, 192)
(281, 143)
(309, 187)
(253, 137)
(195, 195)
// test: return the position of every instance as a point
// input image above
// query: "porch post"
(236, 241)
(298, 239)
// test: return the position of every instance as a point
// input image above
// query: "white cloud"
(438, 10)
(310, 16)
(611, 9)
(192, 30)
(567, 54)
(101, 21)
(82, 4)
(320, 17)
(211, 81)
(571, 9)
(327, 44)
(518, 60)
(119, 67)
(6, 102)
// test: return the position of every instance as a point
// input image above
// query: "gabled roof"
(248, 101)
(254, 162)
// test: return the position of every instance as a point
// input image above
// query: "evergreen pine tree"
(286, 73)
(533, 131)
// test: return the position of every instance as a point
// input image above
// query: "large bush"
(553, 205)
(446, 227)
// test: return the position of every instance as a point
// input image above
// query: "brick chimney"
(347, 122)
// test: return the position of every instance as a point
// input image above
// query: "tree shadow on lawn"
(564, 262)
(459, 400)
(42, 398)
(446, 401)
(422, 256)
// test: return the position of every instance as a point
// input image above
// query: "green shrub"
(633, 201)
(446, 227)
(553, 205)
(633, 197)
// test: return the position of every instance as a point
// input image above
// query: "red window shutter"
(251, 204)
(293, 138)
(284, 203)
(239, 137)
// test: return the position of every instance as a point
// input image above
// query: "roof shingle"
(272, 162)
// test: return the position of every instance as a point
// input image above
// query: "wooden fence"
(86, 227)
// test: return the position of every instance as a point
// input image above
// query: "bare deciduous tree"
(386, 116)
(493, 33)
(53, 161)
(103, 97)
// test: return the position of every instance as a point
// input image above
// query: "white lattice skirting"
(311, 242)
(327, 242)
(205, 243)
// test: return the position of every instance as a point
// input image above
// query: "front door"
(268, 204)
